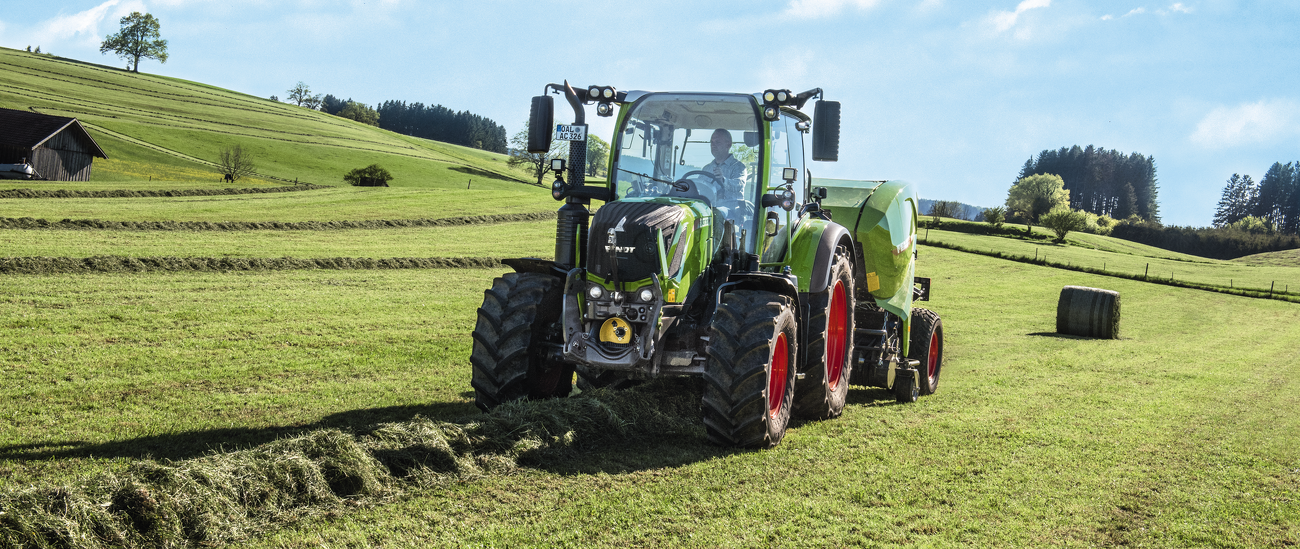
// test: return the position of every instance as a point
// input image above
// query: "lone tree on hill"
(538, 163)
(301, 95)
(236, 163)
(1036, 195)
(138, 39)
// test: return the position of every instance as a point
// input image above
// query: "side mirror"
(772, 224)
(784, 199)
(826, 131)
(541, 122)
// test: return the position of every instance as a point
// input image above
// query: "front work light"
(646, 295)
(771, 113)
(595, 292)
(557, 164)
(604, 109)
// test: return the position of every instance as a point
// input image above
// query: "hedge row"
(124, 264)
(129, 193)
(96, 224)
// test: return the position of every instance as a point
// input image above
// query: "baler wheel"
(509, 354)
(829, 359)
(927, 347)
(905, 391)
(749, 377)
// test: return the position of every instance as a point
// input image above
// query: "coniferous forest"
(1104, 182)
(1275, 201)
(439, 123)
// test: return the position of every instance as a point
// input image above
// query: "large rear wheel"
(512, 340)
(828, 362)
(927, 346)
(749, 378)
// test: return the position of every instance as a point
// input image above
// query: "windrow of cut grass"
(322, 205)
(227, 497)
(123, 264)
(28, 223)
(1205, 274)
(149, 193)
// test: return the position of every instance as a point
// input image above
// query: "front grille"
(636, 250)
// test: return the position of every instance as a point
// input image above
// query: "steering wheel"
(694, 190)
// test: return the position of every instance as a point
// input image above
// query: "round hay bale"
(1088, 312)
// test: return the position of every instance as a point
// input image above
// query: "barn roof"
(28, 130)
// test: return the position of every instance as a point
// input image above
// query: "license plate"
(571, 133)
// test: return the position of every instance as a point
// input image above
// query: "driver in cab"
(729, 171)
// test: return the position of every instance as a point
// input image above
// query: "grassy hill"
(307, 407)
(170, 129)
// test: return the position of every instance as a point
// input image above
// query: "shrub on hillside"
(995, 216)
(1062, 221)
(369, 173)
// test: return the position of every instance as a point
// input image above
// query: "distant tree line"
(1100, 181)
(442, 124)
(415, 119)
(1272, 205)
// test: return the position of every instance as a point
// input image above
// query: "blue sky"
(954, 96)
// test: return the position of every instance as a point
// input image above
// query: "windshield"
(694, 146)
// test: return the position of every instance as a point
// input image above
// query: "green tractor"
(717, 255)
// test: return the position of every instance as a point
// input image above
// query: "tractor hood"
(627, 237)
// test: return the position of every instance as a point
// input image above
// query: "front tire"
(515, 326)
(749, 378)
(927, 346)
(829, 360)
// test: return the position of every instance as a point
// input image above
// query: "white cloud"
(1136, 11)
(1247, 124)
(813, 9)
(1107, 17)
(1004, 20)
(1179, 7)
(82, 28)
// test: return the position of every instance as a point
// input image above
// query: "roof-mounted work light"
(773, 100)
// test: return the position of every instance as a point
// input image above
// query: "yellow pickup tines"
(616, 330)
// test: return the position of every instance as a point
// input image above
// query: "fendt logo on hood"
(612, 247)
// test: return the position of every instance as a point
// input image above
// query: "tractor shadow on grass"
(191, 444)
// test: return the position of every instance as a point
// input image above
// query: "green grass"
(1181, 433)
(179, 127)
(97, 371)
(532, 239)
(1119, 256)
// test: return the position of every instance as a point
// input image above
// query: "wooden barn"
(57, 147)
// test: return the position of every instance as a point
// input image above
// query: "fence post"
(1147, 272)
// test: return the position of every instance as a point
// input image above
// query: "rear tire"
(828, 363)
(927, 346)
(749, 377)
(515, 324)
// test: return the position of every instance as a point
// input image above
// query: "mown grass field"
(1099, 252)
(173, 127)
(1182, 433)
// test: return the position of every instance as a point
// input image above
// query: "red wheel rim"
(933, 357)
(837, 334)
(776, 378)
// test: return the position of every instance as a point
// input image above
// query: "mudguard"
(813, 250)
